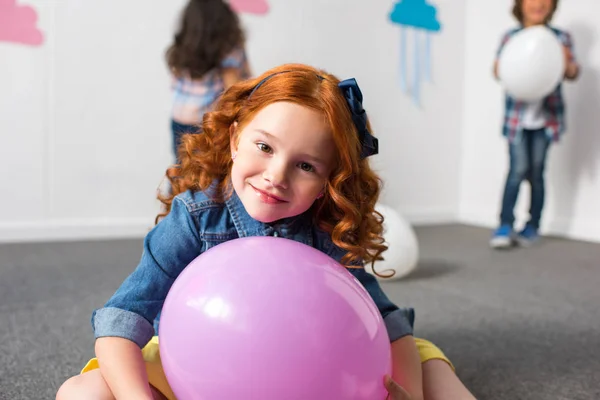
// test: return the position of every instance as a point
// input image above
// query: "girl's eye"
(306, 167)
(264, 147)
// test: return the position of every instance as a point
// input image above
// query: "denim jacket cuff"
(399, 324)
(114, 322)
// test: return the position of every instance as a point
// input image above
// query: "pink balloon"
(273, 319)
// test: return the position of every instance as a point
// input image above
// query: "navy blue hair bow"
(369, 143)
(352, 94)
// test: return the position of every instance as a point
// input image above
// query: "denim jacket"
(195, 224)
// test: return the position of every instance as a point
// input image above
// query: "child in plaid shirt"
(206, 57)
(530, 128)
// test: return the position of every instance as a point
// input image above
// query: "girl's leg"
(503, 236)
(91, 385)
(441, 383)
(519, 165)
(538, 150)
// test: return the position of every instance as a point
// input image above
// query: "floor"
(520, 324)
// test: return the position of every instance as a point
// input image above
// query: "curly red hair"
(346, 211)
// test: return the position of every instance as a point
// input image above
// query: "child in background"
(206, 57)
(530, 128)
(284, 155)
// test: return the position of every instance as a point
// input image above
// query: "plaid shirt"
(553, 105)
(192, 98)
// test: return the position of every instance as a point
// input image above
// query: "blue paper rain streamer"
(403, 84)
(416, 82)
(427, 57)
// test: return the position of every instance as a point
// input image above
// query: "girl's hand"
(568, 55)
(571, 68)
(395, 391)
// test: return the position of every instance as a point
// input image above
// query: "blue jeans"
(527, 161)
(179, 130)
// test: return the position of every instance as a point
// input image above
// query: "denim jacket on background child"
(195, 224)
(553, 106)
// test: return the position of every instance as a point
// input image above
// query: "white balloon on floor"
(531, 64)
(402, 254)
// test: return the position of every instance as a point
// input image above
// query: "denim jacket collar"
(296, 228)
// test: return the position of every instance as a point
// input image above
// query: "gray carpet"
(523, 324)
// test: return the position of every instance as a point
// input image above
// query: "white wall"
(84, 135)
(418, 145)
(84, 121)
(573, 174)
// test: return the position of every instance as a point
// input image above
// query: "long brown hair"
(346, 211)
(209, 30)
(518, 10)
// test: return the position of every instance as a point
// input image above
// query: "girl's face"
(535, 12)
(282, 159)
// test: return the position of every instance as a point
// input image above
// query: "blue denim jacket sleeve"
(168, 249)
(398, 321)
